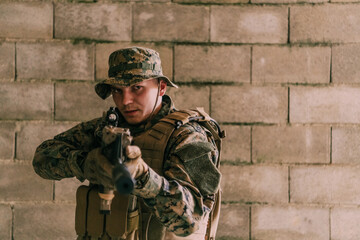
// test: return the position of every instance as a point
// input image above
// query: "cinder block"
(41, 220)
(20, 183)
(284, 223)
(186, 97)
(31, 135)
(337, 104)
(65, 189)
(288, 1)
(212, 63)
(211, 1)
(345, 1)
(78, 101)
(26, 20)
(7, 140)
(291, 64)
(104, 50)
(234, 222)
(249, 104)
(154, 1)
(94, 21)
(325, 184)
(26, 101)
(344, 223)
(179, 23)
(325, 23)
(295, 144)
(236, 145)
(7, 59)
(265, 184)
(55, 60)
(243, 24)
(345, 63)
(5, 221)
(345, 145)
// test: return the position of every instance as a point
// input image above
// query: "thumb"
(133, 152)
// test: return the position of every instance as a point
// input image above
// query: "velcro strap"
(173, 118)
(182, 117)
(203, 113)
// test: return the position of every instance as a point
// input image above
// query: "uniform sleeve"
(64, 155)
(179, 199)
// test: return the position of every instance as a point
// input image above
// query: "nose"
(127, 97)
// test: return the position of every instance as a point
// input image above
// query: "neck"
(156, 109)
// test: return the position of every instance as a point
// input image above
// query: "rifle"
(115, 152)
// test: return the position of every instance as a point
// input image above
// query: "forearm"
(56, 160)
(63, 156)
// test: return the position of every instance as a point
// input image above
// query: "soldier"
(173, 158)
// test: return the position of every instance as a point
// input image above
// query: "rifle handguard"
(124, 184)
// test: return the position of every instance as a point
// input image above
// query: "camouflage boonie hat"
(130, 66)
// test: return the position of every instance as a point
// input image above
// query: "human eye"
(115, 91)
(137, 87)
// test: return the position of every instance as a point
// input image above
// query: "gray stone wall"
(281, 76)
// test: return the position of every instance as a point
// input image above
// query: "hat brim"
(103, 89)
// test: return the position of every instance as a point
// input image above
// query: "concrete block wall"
(281, 76)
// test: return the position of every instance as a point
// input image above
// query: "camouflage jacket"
(174, 198)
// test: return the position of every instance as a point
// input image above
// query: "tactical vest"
(130, 219)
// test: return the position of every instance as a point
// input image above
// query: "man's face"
(137, 102)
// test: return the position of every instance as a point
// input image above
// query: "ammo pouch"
(90, 224)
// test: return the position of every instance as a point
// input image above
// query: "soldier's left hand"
(135, 164)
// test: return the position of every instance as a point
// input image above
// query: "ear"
(163, 86)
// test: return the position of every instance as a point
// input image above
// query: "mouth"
(130, 112)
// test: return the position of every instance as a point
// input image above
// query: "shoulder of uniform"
(192, 126)
(186, 134)
(186, 121)
(179, 118)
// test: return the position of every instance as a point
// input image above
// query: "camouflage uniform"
(179, 197)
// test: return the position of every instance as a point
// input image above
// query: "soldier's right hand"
(98, 169)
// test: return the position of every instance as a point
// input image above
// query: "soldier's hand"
(98, 169)
(135, 163)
